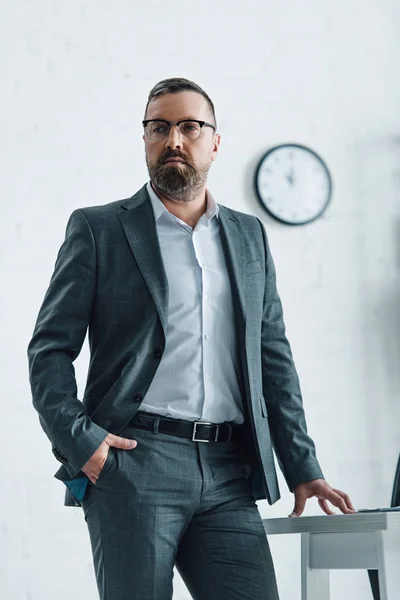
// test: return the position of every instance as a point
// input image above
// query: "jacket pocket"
(263, 404)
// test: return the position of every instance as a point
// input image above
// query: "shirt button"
(207, 376)
(158, 353)
(206, 336)
(137, 398)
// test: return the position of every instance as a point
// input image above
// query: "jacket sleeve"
(57, 340)
(294, 448)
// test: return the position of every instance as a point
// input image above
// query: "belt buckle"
(194, 439)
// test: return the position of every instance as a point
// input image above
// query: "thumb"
(299, 504)
(121, 442)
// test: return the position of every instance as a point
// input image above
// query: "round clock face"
(293, 184)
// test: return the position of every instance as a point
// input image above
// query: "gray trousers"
(174, 502)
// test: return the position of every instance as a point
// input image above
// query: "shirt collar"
(159, 207)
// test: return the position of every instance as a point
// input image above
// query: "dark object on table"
(395, 501)
(396, 487)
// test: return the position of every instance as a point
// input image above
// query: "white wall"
(76, 77)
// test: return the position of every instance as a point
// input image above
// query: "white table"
(359, 541)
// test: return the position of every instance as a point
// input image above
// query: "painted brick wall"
(76, 77)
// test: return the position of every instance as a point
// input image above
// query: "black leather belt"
(197, 431)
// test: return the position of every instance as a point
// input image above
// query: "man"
(187, 345)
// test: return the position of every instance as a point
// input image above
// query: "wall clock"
(293, 184)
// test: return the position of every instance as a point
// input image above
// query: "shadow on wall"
(387, 323)
(376, 173)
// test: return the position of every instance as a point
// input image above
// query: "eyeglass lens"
(158, 130)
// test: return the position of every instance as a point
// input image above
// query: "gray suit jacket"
(109, 277)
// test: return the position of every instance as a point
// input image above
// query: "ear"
(217, 141)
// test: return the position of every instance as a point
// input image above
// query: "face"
(181, 180)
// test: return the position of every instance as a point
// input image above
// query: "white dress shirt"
(198, 375)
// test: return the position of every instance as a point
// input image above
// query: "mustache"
(167, 156)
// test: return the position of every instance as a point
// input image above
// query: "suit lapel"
(235, 254)
(137, 220)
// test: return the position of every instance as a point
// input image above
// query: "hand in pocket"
(93, 467)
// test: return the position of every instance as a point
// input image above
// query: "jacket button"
(137, 398)
(158, 353)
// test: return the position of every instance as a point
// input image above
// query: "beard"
(178, 181)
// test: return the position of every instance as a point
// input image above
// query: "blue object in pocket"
(77, 487)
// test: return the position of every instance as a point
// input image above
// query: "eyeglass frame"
(177, 123)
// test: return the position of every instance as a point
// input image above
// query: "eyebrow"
(183, 119)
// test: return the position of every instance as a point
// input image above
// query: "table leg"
(314, 584)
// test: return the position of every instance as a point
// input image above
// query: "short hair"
(175, 85)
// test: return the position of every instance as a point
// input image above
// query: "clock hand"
(290, 179)
(290, 176)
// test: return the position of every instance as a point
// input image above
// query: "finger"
(299, 504)
(346, 498)
(335, 499)
(120, 442)
(325, 507)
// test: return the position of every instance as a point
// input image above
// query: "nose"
(174, 139)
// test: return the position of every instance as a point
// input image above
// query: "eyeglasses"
(158, 130)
